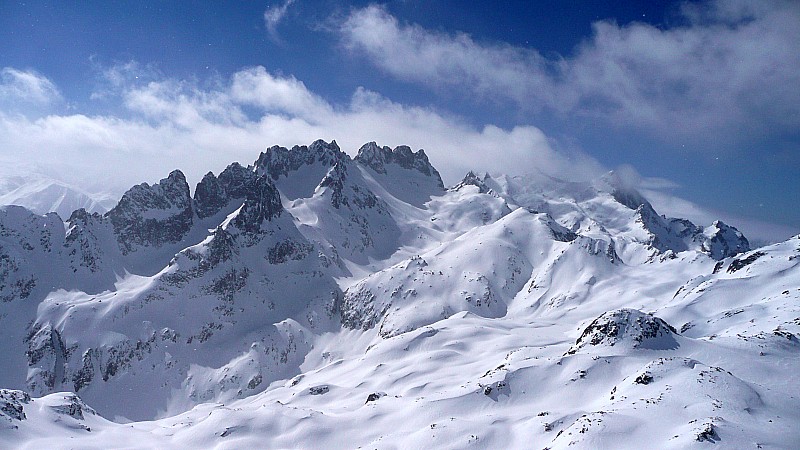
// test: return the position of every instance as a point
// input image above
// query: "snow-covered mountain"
(312, 299)
(43, 194)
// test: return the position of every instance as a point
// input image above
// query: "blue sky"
(701, 99)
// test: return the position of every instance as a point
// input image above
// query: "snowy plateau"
(314, 300)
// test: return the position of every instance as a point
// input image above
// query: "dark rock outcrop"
(11, 403)
(212, 194)
(263, 203)
(627, 327)
(279, 161)
(153, 215)
(377, 158)
(471, 179)
(721, 241)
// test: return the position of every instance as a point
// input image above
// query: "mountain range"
(312, 299)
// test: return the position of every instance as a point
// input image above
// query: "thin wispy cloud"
(274, 15)
(730, 69)
(24, 91)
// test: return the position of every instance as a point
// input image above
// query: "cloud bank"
(729, 69)
(169, 123)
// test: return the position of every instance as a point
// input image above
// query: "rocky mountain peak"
(373, 156)
(722, 241)
(153, 215)
(213, 193)
(236, 180)
(263, 204)
(377, 158)
(279, 161)
(322, 148)
(471, 179)
(209, 196)
(170, 192)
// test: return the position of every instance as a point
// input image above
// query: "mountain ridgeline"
(271, 272)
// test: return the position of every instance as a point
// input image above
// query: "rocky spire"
(377, 158)
(471, 179)
(212, 193)
(153, 215)
(279, 161)
(263, 203)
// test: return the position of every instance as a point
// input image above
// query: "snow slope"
(317, 300)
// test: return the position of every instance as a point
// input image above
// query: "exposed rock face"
(471, 179)
(721, 241)
(740, 263)
(279, 161)
(46, 356)
(629, 328)
(630, 198)
(221, 248)
(215, 193)
(71, 405)
(334, 180)
(263, 203)
(209, 196)
(82, 246)
(27, 242)
(151, 216)
(14, 283)
(11, 404)
(237, 180)
(377, 158)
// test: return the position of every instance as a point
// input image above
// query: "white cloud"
(729, 72)
(117, 76)
(256, 87)
(441, 60)
(172, 123)
(26, 88)
(274, 15)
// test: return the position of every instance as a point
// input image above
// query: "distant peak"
(472, 179)
(376, 158)
(279, 161)
(622, 188)
(176, 176)
(320, 146)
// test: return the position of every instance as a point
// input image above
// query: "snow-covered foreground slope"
(314, 300)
